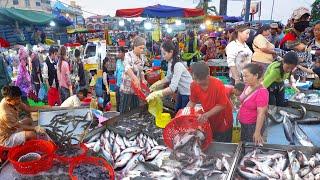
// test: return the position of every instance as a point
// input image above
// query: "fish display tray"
(245, 148)
(229, 148)
(311, 107)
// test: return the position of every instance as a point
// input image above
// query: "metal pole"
(248, 3)
(272, 10)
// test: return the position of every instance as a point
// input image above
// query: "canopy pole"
(248, 3)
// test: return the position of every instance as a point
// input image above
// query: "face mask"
(301, 26)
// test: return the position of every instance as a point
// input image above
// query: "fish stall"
(310, 99)
(277, 162)
(293, 126)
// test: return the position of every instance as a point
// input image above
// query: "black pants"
(247, 131)
(128, 102)
(117, 89)
(223, 136)
(276, 94)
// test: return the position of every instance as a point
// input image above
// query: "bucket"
(163, 120)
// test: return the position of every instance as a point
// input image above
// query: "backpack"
(99, 87)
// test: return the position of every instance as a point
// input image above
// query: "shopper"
(264, 53)
(210, 93)
(118, 74)
(314, 70)
(238, 52)
(4, 76)
(274, 36)
(292, 40)
(49, 69)
(23, 78)
(75, 100)
(133, 73)
(178, 77)
(254, 105)
(13, 130)
(105, 83)
(63, 72)
(275, 75)
(36, 72)
(78, 72)
(314, 46)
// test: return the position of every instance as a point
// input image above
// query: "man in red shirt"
(210, 93)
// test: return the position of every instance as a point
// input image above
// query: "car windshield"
(90, 51)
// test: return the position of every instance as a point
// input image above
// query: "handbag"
(43, 92)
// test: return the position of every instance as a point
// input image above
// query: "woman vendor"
(275, 75)
(13, 130)
(178, 76)
(133, 73)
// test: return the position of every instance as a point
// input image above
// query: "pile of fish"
(309, 98)
(57, 172)
(294, 132)
(277, 114)
(128, 126)
(258, 164)
(90, 172)
(123, 153)
(304, 168)
(62, 126)
(185, 161)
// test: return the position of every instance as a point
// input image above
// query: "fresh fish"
(287, 174)
(288, 129)
(159, 147)
(155, 142)
(107, 145)
(126, 142)
(219, 164)
(301, 136)
(149, 140)
(312, 120)
(90, 145)
(309, 176)
(106, 134)
(133, 162)
(152, 154)
(122, 160)
(225, 163)
(295, 166)
(116, 150)
(97, 146)
(304, 171)
(297, 177)
(133, 150)
(183, 140)
(196, 149)
(313, 161)
(200, 135)
(107, 155)
(158, 160)
(252, 174)
(316, 170)
(267, 170)
(194, 168)
(302, 158)
(317, 177)
(289, 115)
(120, 142)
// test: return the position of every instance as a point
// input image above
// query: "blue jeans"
(181, 102)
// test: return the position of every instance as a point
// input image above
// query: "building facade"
(37, 5)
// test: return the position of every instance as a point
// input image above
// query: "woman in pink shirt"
(63, 73)
(254, 105)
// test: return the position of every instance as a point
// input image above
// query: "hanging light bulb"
(166, 26)
(147, 25)
(52, 23)
(208, 22)
(178, 22)
(169, 30)
(121, 23)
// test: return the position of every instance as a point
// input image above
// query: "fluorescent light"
(147, 25)
(52, 23)
(121, 23)
(169, 30)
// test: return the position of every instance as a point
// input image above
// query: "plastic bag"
(43, 92)
(155, 107)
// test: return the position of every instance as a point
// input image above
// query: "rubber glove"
(155, 86)
(154, 95)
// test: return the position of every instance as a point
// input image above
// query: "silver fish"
(116, 150)
(122, 160)
(133, 162)
(219, 164)
(106, 133)
(309, 176)
(301, 136)
(127, 143)
(183, 140)
(288, 129)
(97, 146)
(225, 163)
(304, 171)
(295, 166)
(152, 154)
(266, 169)
(317, 177)
(287, 174)
(90, 145)
(302, 158)
(94, 138)
(250, 173)
(107, 155)
(316, 170)
(160, 147)
(120, 142)
(133, 150)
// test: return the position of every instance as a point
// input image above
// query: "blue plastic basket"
(156, 63)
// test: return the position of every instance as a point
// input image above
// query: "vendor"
(254, 105)
(75, 100)
(13, 130)
(178, 76)
(275, 75)
(133, 73)
(315, 70)
(210, 93)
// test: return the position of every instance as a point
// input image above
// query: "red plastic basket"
(93, 161)
(183, 124)
(141, 92)
(4, 153)
(46, 148)
(68, 160)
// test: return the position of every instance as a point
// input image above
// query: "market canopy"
(25, 16)
(159, 11)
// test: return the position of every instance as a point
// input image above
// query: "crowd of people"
(259, 67)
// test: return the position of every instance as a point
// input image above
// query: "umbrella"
(159, 11)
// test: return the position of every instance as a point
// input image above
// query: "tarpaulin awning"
(159, 11)
(26, 16)
(4, 43)
(232, 19)
(63, 21)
